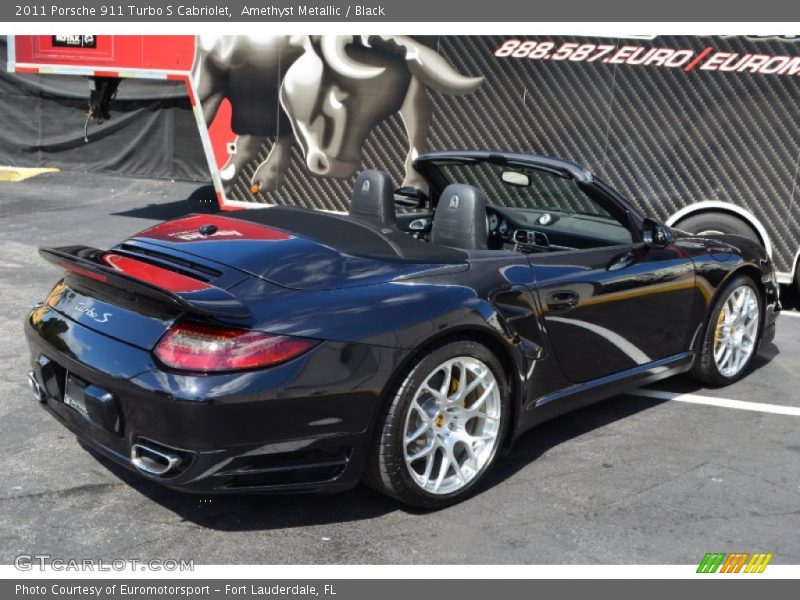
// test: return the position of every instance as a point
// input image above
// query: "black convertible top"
(350, 236)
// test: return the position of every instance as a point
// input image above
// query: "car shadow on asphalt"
(685, 384)
(255, 512)
(157, 212)
(551, 434)
(202, 200)
(228, 512)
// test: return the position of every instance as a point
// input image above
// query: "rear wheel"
(442, 431)
(732, 334)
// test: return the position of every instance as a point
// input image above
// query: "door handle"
(562, 301)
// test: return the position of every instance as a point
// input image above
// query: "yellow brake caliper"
(718, 330)
(454, 387)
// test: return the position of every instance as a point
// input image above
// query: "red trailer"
(115, 57)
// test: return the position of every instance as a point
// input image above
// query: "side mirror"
(655, 234)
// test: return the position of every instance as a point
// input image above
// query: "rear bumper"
(301, 426)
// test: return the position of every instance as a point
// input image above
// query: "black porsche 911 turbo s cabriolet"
(291, 350)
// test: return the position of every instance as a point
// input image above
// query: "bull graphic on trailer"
(326, 92)
(699, 131)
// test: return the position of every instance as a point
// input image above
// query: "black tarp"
(151, 133)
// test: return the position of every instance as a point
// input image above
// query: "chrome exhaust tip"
(36, 389)
(153, 461)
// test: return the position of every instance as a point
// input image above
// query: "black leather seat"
(373, 199)
(460, 218)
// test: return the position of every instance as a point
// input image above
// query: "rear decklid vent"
(186, 266)
(156, 278)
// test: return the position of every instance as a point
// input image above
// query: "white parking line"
(775, 409)
(790, 313)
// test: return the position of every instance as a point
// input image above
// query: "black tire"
(705, 368)
(386, 468)
(722, 222)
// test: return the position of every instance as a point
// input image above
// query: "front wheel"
(731, 337)
(442, 431)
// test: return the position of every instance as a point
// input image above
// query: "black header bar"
(494, 11)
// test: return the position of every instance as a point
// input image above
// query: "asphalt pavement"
(660, 478)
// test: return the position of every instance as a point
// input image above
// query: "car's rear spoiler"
(148, 280)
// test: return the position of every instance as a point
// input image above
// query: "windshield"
(523, 188)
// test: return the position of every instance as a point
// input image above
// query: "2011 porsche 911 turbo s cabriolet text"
(291, 350)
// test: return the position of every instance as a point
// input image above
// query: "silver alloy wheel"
(736, 332)
(452, 427)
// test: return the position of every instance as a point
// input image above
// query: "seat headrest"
(373, 199)
(460, 218)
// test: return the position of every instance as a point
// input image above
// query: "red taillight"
(191, 347)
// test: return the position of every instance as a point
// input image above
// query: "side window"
(581, 216)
